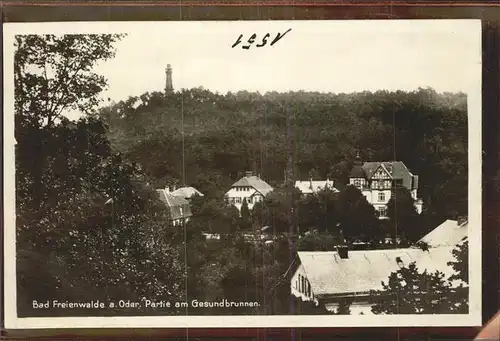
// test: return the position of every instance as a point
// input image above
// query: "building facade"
(314, 186)
(377, 180)
(250, 188)
(179, 207)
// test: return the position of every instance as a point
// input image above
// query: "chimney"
(461, 221)
(168, 79)
(311, 183)
(343, 251)
(248, 173)
(167, 189)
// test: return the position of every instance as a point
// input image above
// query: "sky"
(326, 56)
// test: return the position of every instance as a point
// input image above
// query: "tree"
(344, 307)
(403, 216)
(76, 199)
(53, 74)
(356, 216)
(281, 209)
(95, 207)
(410, 291)
(246, 222)
(460, 264)
(258, 214)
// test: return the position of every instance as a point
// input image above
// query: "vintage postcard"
(242, 174)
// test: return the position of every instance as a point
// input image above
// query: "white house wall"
(356, 308)
(239, 195)
(295, 286)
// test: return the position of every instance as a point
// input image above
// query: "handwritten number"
(263, 42)
(279, 36)
(237, 41)
(251, 40)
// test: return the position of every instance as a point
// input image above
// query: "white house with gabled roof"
(250, 188)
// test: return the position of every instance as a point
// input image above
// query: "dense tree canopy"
(225, 135)
(85, 215)
(87, 212)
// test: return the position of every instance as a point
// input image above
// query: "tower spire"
(358, 160)
(168, 79)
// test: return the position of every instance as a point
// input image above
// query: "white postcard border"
(474, 317)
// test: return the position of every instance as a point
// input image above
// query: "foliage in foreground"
(412, 291)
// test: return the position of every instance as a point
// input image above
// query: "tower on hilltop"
(168, 79)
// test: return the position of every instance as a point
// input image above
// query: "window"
(357, 183)
(381, 197)
(300, 283)
(249, 200)
(238, 200)
(381, 184)
(382, 212)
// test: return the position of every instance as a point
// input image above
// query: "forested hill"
(319, 133)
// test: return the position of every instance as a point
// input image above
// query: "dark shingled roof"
(179, 207)
(396, 169)
(357, 172)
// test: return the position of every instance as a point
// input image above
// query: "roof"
(187, 192)
(310, 186)
(396, 169)
(179, 207)
(447, 234)
(364, 270)
(357, 172)
(254, 182)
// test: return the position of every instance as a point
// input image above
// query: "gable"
(381, 173)
(255, 182)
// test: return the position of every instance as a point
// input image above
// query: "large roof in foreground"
(364, 270)
(448, 233)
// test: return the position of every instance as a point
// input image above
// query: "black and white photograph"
(242, 174)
